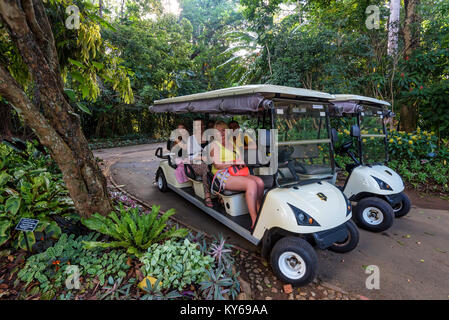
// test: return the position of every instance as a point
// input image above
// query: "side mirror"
(334, 136)
(355, 131)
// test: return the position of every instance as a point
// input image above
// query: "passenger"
(223, 158)
(210, 124)
(179, 142)
(248, 142)
(195, 153)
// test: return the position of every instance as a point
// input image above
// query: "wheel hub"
(373, 215)
(160, 183)
(292, 265)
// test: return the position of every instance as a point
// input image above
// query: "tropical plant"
(133, 230)
(153, 292)
(116, 289)
(221, 252)
(29, 190)
(50, 268)
(176, 264)
(216, 285)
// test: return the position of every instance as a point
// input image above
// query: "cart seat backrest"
(305, 151)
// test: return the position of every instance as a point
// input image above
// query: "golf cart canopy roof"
(243, 99)
(349, 103)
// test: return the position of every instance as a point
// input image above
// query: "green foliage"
(216, 285)
(153, 292)
(116, 289)
(413, 146)
(176, 264)
(50, 267)
(424, 175)
(132, 230)
(30, 187)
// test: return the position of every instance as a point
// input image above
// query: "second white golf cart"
(296, 212)
(377, 189)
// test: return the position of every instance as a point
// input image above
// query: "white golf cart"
(377, 189)
(297, 212)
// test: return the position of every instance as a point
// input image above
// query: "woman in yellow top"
(223, 158)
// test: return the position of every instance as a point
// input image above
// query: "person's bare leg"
(260, 190)
(235, 183)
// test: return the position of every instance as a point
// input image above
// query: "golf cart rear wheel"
(161, 182)
(402, 208)
(294, 261)
(373, 214)
(350, 242)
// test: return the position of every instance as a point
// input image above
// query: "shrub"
(30, 188)
(176, 264)
(132, 230)
(49, 268)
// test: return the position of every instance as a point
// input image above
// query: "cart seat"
(230, 193)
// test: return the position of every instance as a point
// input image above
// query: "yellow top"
(226, 155)
(246, 141)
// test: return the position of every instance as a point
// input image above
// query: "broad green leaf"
(76, 63)
(4, 178)
(21, 242)
(83, 107)
(13, 205)
(98, 65)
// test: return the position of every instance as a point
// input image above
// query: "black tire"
(379, 208)
(161, 182)
(404, 207)
(300, 247)
(350, 243)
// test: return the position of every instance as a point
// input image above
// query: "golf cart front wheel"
(373, 214)
(350, 242)
(403, 207)
(161, 182)
(294, 261)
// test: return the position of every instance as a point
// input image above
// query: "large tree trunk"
(50, 115)
(411, 30)
(5, 120)
(393, 27)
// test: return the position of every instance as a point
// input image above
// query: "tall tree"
(48, 113)
(393, 26)
(411, 30)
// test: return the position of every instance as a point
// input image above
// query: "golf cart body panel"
(283, 206)
(169, 173)
(363, 180)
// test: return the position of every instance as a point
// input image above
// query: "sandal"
(208, 202)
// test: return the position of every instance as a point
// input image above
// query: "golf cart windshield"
(304, 147)
(373, 135)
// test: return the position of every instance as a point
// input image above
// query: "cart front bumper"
(324, 239)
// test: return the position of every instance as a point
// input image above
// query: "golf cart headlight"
(302, 218)
(348, 206)
(382, 184)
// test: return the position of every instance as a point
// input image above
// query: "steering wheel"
(344, 147)
(285, 153)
